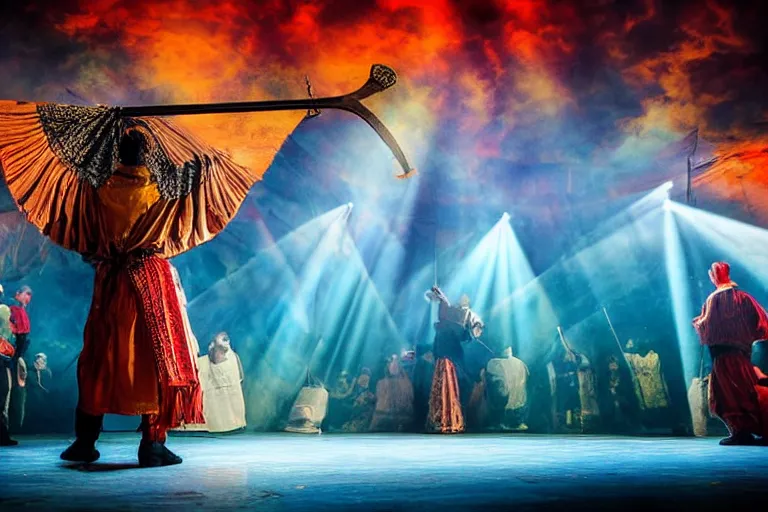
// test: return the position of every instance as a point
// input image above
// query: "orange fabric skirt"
(117, 372)
(445, 415)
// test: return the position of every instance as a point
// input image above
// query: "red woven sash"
(180, 393)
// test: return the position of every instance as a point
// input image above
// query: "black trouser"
(88, 427)
(18, 395)
(22, 344)
(5, 398)
(18, 408)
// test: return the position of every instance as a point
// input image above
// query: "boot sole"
(85, 460)
(158, 464)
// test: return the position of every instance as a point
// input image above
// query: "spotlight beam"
(677, 278)
(632, 213)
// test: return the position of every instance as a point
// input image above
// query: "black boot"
(738, 439)
(5, 436)
(87, 429)
(81, 451)
(153, 454)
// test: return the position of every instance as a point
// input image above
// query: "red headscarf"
(720, 274)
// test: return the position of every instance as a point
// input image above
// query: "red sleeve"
(762, 318)
(732, 317)
(19, 320)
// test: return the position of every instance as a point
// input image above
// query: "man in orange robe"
(127, 194)
(730, 321)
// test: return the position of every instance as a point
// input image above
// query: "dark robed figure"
(731, 321)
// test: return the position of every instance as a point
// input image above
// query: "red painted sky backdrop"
(595, 84)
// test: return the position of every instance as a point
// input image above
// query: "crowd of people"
(494, 394)
(400, 399)
(433, 389)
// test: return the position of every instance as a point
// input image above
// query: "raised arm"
(440, 296)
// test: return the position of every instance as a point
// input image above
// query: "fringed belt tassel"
(180, 393)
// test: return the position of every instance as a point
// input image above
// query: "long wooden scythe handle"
(381, 78)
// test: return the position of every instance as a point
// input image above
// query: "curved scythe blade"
(380, 79)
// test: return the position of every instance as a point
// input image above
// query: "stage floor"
(287, 472)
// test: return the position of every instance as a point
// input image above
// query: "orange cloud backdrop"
(521, 80)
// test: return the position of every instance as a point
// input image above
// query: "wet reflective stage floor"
(287, 472)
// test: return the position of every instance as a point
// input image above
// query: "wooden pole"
(615, 336)
(380, 79)
(689, 186)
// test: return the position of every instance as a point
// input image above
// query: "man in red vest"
(20, 325)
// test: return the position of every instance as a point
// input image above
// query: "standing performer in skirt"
(450, 383)
(730, 321)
